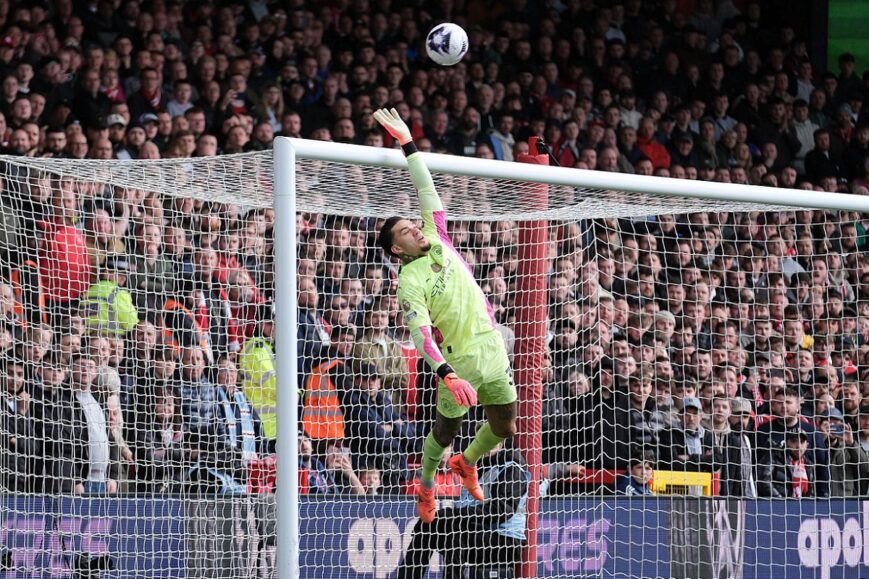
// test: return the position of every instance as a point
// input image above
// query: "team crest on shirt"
(405, 305)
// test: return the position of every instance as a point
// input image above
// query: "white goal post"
(589, 194)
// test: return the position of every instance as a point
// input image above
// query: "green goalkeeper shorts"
(486, 366)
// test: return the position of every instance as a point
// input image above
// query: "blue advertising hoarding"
(44, 535)
(365, 539)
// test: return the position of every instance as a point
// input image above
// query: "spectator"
(152, 275)
(79, 436)
(638, 479)
(790, 471)
(376, 347)
(157, 437)
(771, 433)
(330, 377)
(849, 463)
(205, 426)
(244, 426)
(488, 535)
(313, 334)
(632, 430)
(256, 361)
(336, 476)
(371, 480)
(732, 449)
(65, 269)
(108, 306)
(690, 446)
(20, 449)
(821, 161)
(121, 463)
(376, 433)
(209, 298)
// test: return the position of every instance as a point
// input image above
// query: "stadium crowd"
(136, 326)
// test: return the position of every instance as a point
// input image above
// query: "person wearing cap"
(771, 434)
(683, 152)
(376, 432)
(107, 307)
(741, 415)
(849, 463)
(689, 446)
(789, 471)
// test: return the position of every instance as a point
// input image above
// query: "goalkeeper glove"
(461, 390)
(393, 125)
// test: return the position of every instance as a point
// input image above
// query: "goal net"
(674, 358)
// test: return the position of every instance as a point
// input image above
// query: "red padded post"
(528, 359)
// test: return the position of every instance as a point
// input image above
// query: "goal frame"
(286, 153)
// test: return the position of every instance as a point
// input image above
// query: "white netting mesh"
(153, 282)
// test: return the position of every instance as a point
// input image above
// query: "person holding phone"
(849, 463)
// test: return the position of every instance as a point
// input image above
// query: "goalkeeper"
(453, 328)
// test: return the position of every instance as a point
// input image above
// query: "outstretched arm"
(431, 208)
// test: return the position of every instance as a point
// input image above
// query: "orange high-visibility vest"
(24, 291)
(321, 415)
(169, 333)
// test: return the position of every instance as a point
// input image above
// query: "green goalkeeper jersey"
(444, 308)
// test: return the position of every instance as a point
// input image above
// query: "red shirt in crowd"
(64, 262)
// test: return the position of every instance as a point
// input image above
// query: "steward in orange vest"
(322, 417)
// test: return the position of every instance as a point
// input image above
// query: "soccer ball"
(446, 44)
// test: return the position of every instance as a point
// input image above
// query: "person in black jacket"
(488, 535)
(732, 450)
(785, 406)
(376, 432)
(19, 444)
(628, 429)
(822, 161)
(790, 471)
(77, 462)
(689, 447)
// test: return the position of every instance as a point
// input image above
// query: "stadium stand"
(764, 313)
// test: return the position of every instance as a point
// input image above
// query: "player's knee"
(444, 434)
(505, 429)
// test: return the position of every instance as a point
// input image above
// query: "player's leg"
(441, 436)
(497, 393)
(498, 396)
(499, 426)
(448, 421)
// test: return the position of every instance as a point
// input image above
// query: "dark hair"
(384, 240)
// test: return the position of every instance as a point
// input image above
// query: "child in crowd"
(638, 479)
